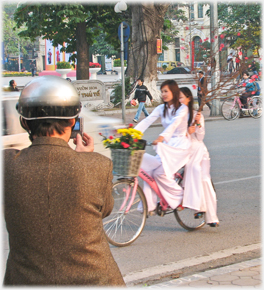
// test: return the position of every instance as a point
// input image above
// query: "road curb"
(176, 269)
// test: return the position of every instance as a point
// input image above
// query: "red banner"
(159, 46)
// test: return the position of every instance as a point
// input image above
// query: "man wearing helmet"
(56, 197)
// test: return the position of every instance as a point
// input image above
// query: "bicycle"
(232, 107)
(128, 217)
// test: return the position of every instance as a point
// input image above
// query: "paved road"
(235, 169)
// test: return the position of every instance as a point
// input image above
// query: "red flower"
(246, 57)
(130, 125)
(238, 34)
(212, 40)
(222, 36)
(135, 140)
(223, 27)
(186, 27)
(194, 87)
(216, 37)
(111, 137)
(201, 40)
(125, 145)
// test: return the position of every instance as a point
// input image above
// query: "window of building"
(197, 42)
(178, 54)
(161, 57)
(191, 11)
(177, 42)
(200, 10)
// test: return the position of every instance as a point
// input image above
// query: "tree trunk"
(82, 71)
(147, 22)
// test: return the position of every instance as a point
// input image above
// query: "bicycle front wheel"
(123, 227)
(230, 109)
(255, 107)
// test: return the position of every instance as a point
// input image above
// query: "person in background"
(202, 89)
(33, 68)
(199, 193)
(253, 68)
(141, 94)
(55, 197)
(248, 84)
(237, 60)
(13, 86)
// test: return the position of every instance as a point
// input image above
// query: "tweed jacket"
(202, 86)
(55, 199)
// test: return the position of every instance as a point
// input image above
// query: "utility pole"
(19, 60)
(215, 75)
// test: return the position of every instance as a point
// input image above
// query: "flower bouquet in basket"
(127, 149)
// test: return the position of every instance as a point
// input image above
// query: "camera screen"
(77, 125)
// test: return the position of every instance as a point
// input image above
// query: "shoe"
(152, 213)
(213, 225)
(198, 215)
(134, 120)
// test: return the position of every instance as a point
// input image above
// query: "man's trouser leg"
(140, 107)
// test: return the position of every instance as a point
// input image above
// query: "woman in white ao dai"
(172, 146)
(199, 193)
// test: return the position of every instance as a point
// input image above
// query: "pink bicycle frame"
(152, 183)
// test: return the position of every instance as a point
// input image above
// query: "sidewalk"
(243, 274)
(130, 114)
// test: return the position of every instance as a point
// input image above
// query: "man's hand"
(84, 143)
(159, 139)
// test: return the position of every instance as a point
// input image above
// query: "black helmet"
(49, 97)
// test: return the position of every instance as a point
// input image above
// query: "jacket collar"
(45, 140)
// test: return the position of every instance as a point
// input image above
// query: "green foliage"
(58, 22)
(243, 18)
(164, 66)
(116, 94)
(63, 64)
(117, 62)
(11, 37)
(169, 31)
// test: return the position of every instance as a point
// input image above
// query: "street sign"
(126, 31)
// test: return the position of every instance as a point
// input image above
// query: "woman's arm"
(145, 123)
(199, 130)
(180, 114)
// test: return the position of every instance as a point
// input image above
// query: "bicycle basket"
(126, 162)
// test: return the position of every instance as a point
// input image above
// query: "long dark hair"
(173, 87)
(188, 94)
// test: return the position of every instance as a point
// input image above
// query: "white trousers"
(198, 190)
(168, 187)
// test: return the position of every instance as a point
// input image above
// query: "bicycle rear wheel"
(123, 228)
(230, 109)
(255, 107)
(185, 216)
